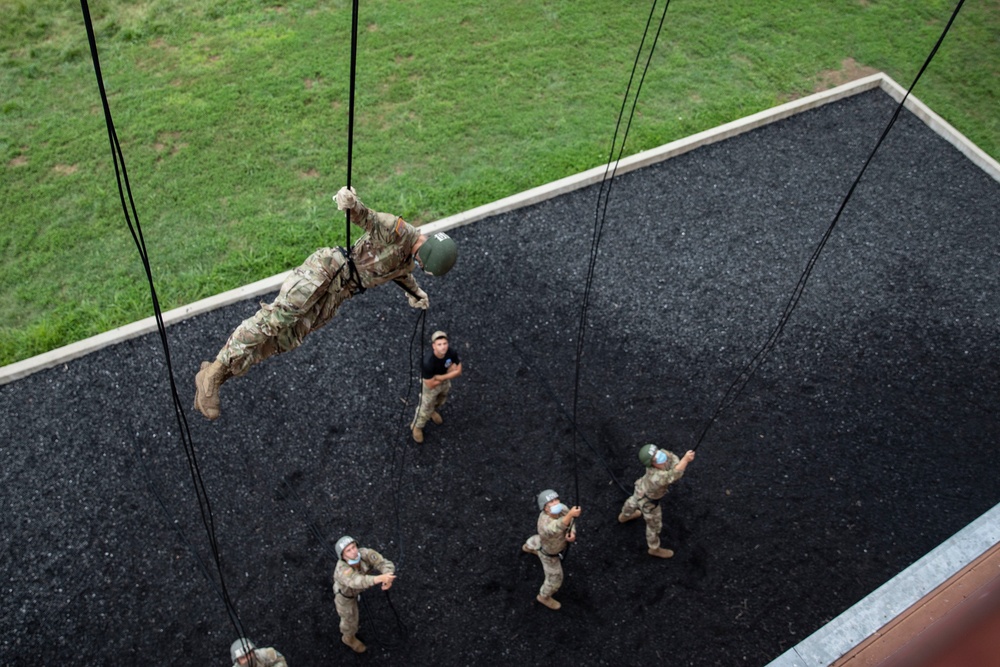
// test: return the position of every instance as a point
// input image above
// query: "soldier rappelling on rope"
(310, 296)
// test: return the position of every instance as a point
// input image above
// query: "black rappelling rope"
(350, 118)
(599, 218)
(743, 377)
(529, 362)
(601, 211)
(350, 154)
(397, 469)
(121, 175)
(397, 466)
(373, 621)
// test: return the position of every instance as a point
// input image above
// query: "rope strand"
(131, 214)
(750, 369)
(600, 215)
(350, 118)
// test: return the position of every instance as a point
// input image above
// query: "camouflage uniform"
(264, 657)
(431, 399)
(649, 489)
(549, 543)
(348, 582)
(311, 294)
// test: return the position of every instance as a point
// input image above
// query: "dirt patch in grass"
(169, 140)
(850, 70)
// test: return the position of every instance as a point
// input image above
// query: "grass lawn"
(232, 116)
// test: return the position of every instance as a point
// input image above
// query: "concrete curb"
(842, 634)
(62, 355)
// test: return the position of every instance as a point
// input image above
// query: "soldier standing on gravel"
(556, 528)
(663, 468)
(243, 653)
(440, 366)
(351, 576)
(313, 292)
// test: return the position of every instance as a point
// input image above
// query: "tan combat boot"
(436, 418)
(549, 602)
(207, 383)
(660, 552)
(625, 518)
(418, 434)
(356, 644)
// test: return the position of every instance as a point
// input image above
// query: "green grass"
(232, 116)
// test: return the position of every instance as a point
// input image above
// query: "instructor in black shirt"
(439, 367)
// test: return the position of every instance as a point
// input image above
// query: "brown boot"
(625, 518)
(356, 645)
(418, 434)
(436, 418)
(207, 383)
(660, 552)
(549, 602)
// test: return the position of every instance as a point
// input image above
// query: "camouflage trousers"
(347, 609)
(551, 566)
(652, 514)
(308, 299)
(430, 401)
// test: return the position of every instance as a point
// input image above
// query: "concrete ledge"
(528, 197)
(61, 355)
(659, 154)
(839, 637)
(961, 616)
(942, 128)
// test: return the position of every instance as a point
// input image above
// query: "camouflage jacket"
(349, 580)
(654, 483)
(265, 657)
(552, 532)
(385, 251)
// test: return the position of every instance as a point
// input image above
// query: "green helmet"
(343, 543)
(438, 254)
(646, 454)
(240, 648)
(544, 497)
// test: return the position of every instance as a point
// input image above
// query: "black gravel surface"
(867, 438)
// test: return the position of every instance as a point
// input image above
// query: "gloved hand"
(346, 198)
(422, 303)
